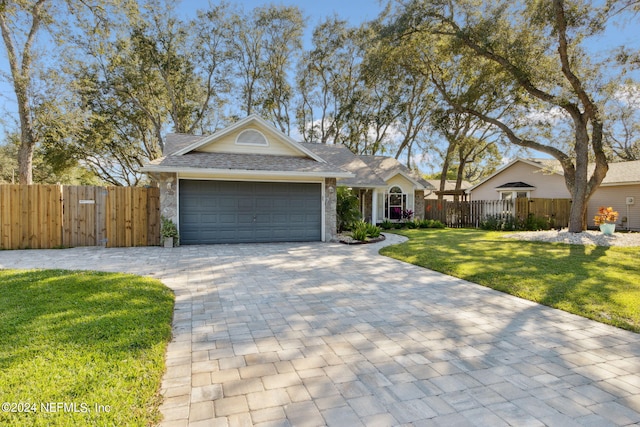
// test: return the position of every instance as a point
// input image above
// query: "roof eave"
(614, 184)
(364, 186)
(245, 172)
(498, 189)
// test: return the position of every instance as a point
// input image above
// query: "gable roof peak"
(253, 118)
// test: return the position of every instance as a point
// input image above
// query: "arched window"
(396, 203)
(251, 137)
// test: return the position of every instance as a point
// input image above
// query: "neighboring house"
(449, 189)
(252, 183)
(534, 178)
(620, 189)
(544, 178)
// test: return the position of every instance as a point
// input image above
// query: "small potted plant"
(606, 219)
(169, 232)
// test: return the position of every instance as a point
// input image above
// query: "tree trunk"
(577, 215)
(445, 168)
(459, 178)
(21, 76)
(25, 162)
(27, 134)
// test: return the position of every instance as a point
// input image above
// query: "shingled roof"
(622, 173)
(174, 142)
(245, 162)
(341, 156)
(350, 169)
(236, 163)
(619, 173)
(518, 184)
(388, 166)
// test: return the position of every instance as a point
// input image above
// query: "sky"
(355, 11)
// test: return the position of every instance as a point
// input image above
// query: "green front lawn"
(601, 283)
(81, 348)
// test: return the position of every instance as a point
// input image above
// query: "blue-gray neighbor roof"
(518, 184)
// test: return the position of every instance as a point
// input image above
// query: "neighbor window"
(251, 137)
(510, 195)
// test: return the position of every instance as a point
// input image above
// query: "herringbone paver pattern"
(325, 334)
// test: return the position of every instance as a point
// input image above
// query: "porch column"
(374, 206)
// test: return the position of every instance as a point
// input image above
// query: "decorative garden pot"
(607, 228)
(168, 242)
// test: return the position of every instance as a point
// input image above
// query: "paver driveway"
(327, 334)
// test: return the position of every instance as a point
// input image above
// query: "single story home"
(250, 182)
(544, 178)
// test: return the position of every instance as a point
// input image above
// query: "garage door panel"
(263, 203)
(281, 218)
(223, 218)
(245, 218)
(228, 212)
(192, 217)
(297, 218)
(245, 204)
(224, 202)
(209, 221)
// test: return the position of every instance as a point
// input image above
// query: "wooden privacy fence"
(554, 210)
(51, 216)
(472, 214)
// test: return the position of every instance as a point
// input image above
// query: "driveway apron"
(312, 334)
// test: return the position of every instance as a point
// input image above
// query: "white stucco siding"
(402, 182)
(547, 185)
(616, 196)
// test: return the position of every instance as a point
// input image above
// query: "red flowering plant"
(605, 216)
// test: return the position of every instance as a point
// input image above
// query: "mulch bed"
(348, 240)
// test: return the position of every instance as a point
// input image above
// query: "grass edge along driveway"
(82, 348)
(600, 283)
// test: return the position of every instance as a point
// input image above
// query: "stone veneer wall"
(168, 184)
(368, 204)
(330, 218)
(419, 204)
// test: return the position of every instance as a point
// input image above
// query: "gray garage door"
(242, 212)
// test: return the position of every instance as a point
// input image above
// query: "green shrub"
(168, 228)
(491, 222)
(362, 230)
(347, 209)
(429, 223)
(373, 231)
(434, 223)
(536, 223)
(386, 225)
(359, 231)
(411, 224)
(499, 223)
